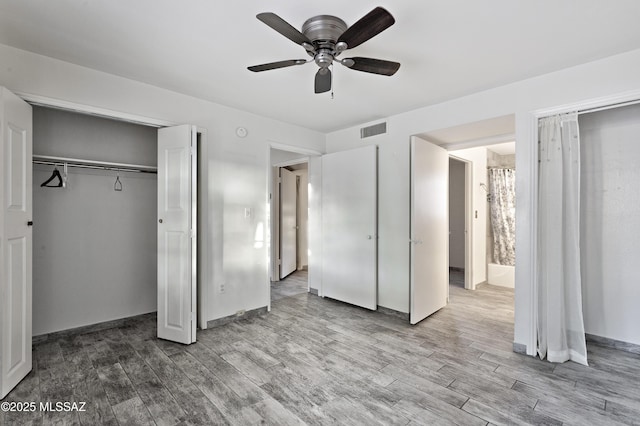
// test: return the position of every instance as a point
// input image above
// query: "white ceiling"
(447, 48)
(507, 148)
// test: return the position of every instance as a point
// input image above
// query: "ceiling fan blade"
(323, 81)
(370, 25)
(375, 66)
(276, 65)
(283, 27)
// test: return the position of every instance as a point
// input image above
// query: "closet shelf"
(92, 164)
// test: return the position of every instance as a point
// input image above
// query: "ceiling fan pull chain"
(332, 80)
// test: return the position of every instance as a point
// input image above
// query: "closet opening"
(586, 219)
(95, 235)
(609, 224)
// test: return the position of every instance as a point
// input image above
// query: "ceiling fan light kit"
(325, 37)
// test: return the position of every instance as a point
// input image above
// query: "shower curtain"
(560, 323)
(502, 192)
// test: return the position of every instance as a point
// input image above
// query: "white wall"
(235, 179)
(456, 213)
(94, 249)
(279, 156)
(610, 222)
(615, 75)
(478, 159)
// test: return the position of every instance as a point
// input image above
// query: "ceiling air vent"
(376, 129)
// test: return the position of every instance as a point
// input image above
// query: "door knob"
(30, 223)
(160, 220)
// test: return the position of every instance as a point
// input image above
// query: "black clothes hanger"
(56, 174)
(118, 185)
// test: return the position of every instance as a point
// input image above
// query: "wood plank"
(98, 408)
(274, 413)
(435, 405)
(241, 385)
(433, 384)
(216, 390)
(246, 366)
(511, 404)
(132, 412)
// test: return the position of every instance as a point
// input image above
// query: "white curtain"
(560, 322)
(502, 190)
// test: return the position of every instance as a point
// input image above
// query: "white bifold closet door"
(349, 226)
(177, 233)
(429, 239)
(288, 222)
(15, 240)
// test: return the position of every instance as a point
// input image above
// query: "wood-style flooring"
(291, 285)
(317, 361)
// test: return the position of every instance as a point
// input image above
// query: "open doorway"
(289, 200)
(479, 153)
(291, 238)
(459, 214)
(482, 204)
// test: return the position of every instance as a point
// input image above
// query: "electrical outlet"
(221, 288)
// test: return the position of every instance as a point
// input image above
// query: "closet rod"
(606, 107)
(92, 164)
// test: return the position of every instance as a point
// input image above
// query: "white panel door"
(176, 234)
(349, 226)
(429, 229)
(15, 240)
(288, 222)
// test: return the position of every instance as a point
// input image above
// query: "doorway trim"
(45, 101)
(271, 200)
(529, 272)
(468, 222)
(275, 214)
(93, 110)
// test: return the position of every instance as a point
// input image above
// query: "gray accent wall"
(94, 249)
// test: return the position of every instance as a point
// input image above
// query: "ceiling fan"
(325, 37)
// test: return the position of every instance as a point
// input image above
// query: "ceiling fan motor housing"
(324, 29)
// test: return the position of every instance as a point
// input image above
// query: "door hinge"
(192, 233)
(192, 150)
